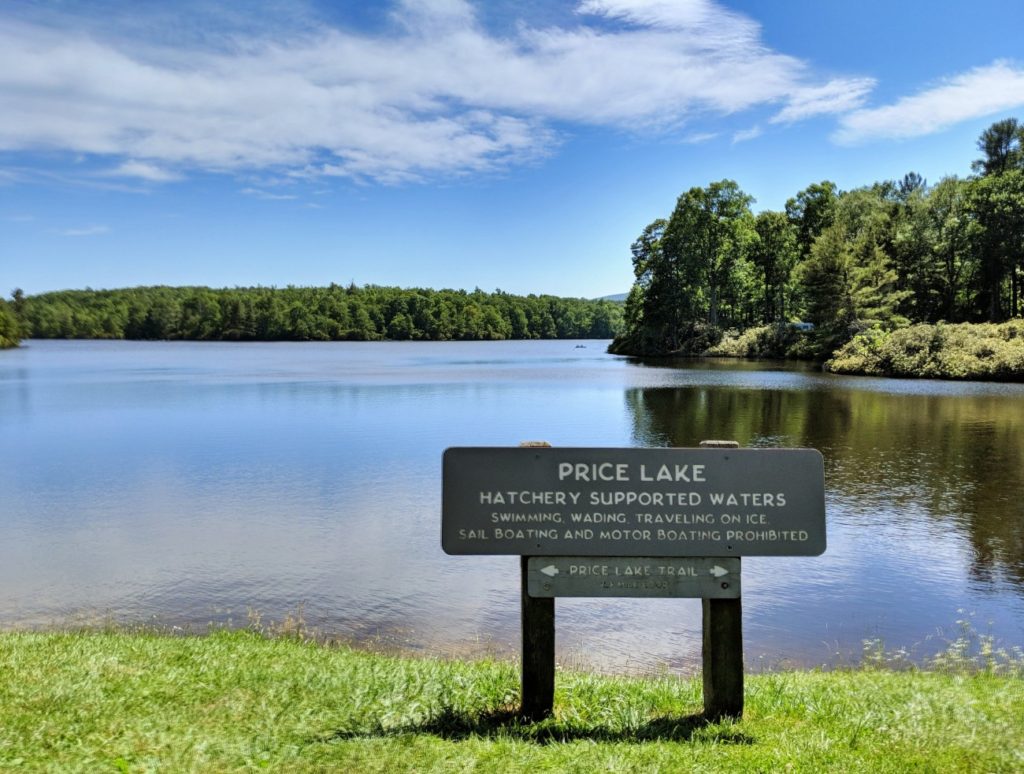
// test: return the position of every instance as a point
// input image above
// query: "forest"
(833, 265)
(334, 313)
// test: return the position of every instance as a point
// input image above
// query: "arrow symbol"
(718, 571)
(551, 571)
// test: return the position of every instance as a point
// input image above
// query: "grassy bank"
(240, 701)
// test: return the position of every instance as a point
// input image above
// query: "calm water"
(189, 483)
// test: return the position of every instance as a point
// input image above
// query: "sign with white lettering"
(535, 501)
(588, 576)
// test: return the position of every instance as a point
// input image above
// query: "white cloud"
(976, 93)
(837, 96)
(747, 134)
(700, 137)
(85, 231)
(144, 171)
(435, 95)
(259, 193)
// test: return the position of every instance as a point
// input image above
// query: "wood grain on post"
(722, 649)
(538, 643)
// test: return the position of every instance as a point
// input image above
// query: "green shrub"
(765, 341)
(964, 351)
(691, 338)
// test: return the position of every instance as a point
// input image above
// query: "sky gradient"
(443, 143)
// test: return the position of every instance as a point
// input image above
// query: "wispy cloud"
(837, 96)
(699, 137)
(144, 171)
(743, 135)
(435, 93)
(980, 92)
(261, 194)
(86, 231)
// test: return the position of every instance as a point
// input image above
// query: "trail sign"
(588, 576)
(717, 502)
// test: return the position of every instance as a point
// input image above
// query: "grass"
(239, 701)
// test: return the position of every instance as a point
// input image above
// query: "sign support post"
(537, 620)
(538, 651)
(722, 654)
(722, 647)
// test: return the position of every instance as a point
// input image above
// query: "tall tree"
(705, 239)
(1003, 146)
(848, 281)
(910, 245)
(999, 213)
(997, 204)
(657, 303)
(866, 218)
(811, 211)
(950, 229)
(775, 253)
(826, 278)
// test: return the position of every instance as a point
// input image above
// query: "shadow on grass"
(456, 725)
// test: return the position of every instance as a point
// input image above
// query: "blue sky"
(449, 143)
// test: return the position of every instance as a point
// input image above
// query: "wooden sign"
(633, 502)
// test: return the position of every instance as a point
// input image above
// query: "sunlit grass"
(229, 701)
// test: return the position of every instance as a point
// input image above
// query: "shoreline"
(952, 352)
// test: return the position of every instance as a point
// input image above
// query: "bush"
(692, 338)
(766, 341)
(964, 351)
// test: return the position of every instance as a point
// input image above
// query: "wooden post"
(538, 644)
(538, 681)
(722, 646)
(723, 659)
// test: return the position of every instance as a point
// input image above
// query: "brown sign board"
(614, 576)
(631, 502)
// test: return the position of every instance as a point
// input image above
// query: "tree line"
(9, 329)
(840, 262)
(334, 313)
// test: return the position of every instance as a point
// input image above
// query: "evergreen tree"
(1003, 146)
(827, 282)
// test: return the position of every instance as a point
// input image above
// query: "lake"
(185, 484)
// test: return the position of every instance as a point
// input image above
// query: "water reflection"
(957, 461)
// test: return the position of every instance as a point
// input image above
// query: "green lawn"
(121, 701)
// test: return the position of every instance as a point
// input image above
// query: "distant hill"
(615, 297)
